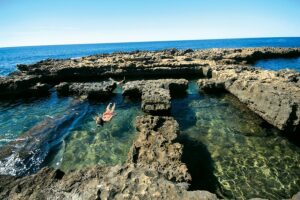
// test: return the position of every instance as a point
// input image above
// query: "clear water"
(89, 145)
(9, 57)
(16, 117)
(279, 63)
(85, 144)
(243, 156)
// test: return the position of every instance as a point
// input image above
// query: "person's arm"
(108, 107)
(113, 108)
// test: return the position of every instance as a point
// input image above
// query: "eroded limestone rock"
(138, 64)
(22, 86)
(275, 96)
(135, 88)
(89, 89)
(156, 101)
(155, 148)
(156, 94)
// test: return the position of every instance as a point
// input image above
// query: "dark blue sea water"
(280, 63)
(9, 57)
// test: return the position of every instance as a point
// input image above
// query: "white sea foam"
(12, 165)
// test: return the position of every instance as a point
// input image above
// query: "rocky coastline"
(276, 96)
(154, 168)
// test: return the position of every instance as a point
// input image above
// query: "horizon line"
(149, 41)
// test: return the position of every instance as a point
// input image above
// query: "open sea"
(11, 56)
(228, 149)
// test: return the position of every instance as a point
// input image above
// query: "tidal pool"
(233, 152)
(83, 143)
(88, 144)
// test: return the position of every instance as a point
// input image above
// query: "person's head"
(99, 120)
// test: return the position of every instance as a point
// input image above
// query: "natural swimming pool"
(231, 149)
(227, 147)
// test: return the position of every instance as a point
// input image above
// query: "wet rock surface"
(91, 90)
(275, 96)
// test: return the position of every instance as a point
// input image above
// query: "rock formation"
(90, 89)
(156, 94)
(20, 86)
(156, 101)
(275, 96)
(139, 64)
(135, 88)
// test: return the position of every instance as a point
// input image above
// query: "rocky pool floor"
(228, 149)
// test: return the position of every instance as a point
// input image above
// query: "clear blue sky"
(42, 22)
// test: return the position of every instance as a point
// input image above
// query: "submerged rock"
(296, 196)
(26, 154)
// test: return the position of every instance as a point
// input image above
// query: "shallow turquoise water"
(245, 157)
(83, 144)
(16, 117)
(88, 144)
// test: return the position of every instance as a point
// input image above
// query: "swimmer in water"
(106, 116)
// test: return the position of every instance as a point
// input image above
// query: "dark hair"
(100, 121)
